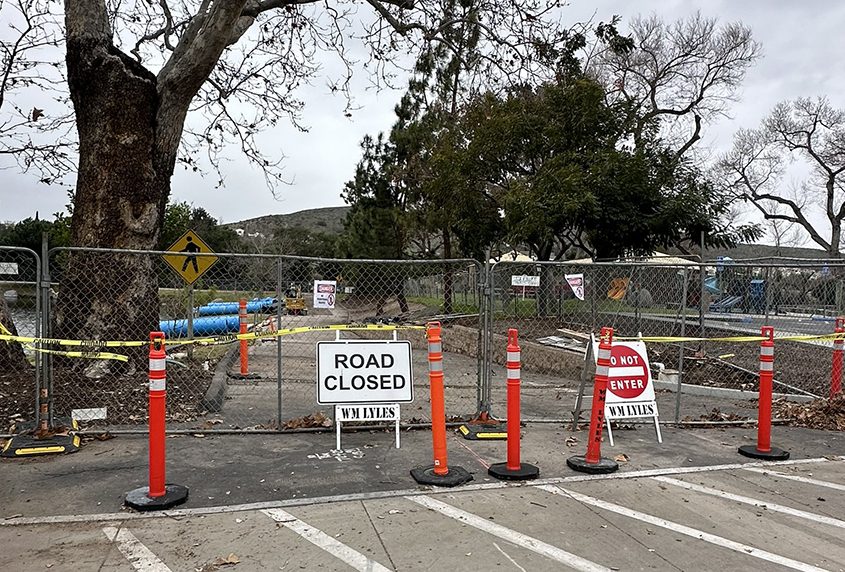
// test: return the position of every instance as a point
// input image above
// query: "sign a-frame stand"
(365, 380)
(630, 393)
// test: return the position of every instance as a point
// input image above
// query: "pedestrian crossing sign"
(191, 257)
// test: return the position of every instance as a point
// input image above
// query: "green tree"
(28, 232)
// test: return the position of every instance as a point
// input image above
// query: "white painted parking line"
(322, 540)
(306, 501)
(553, 552)
(685, 530)
(806, 480)
(139, 556)
(753, 502)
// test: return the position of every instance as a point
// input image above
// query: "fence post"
(439, 473)
(764, 449)
(513, 469)
(593, 462)
(836, 370)
(158, 495)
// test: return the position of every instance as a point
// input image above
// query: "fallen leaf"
(621, 458)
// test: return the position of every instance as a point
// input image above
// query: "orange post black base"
(773, 454)
(139, 498)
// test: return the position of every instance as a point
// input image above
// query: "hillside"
(326, 220)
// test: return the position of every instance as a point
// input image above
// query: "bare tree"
(37, 138)
(677, 75)
(137, 69)
(809, 130)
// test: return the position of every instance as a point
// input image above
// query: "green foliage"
(182, 217)
(27, 233)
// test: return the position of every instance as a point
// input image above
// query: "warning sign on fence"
(325, 293)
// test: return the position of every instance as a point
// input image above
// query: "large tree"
(812, 132)
(673, 76)
(136, 70)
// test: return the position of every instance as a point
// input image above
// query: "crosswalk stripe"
(773, 507)
(682, 529)
(553, 552)
(319, 538)
(139, 556)
(807, 480)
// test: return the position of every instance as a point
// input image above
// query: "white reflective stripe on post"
(767, 351)
(513, 374)
(513, 356)
(766, 366)
(157, 364)
(602, 370)
(158, 384)
(604, 354)
(435, 347)
(435, 366)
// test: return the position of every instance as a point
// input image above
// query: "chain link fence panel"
(20, 314)
(208, 390)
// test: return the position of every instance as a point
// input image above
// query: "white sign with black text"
(525, 280)
(8, 267)
(364, 372)
(347, 412)
(325, 294)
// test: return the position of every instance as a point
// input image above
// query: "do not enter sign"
(630, 391)
(628, 377)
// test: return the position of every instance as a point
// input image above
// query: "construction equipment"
(294, 302)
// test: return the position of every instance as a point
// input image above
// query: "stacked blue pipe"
(215, 318)
(222, 308)
(205, 326)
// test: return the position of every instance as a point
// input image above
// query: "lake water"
(23, 314)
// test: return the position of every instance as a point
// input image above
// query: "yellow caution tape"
(677, 339)
(86, 355)
(91, 346)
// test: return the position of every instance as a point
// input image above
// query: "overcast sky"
(803, 44)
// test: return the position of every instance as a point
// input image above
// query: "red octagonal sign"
(628, 376)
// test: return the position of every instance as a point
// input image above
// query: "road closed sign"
(364, 372)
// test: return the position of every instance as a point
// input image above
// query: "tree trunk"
(12, 358)
(122, 188)
(447, 272)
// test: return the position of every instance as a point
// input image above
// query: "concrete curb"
(216, 394)
(690, 389)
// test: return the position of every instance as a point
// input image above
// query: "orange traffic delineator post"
(593, 462)
(763, 449)
(158, 495)
(439, 474)
(243, 330)
(513, 469)
(836, 370)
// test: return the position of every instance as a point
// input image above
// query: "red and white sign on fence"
(630, 391)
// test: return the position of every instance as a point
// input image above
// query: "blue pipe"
(222, 308)
(205, 326)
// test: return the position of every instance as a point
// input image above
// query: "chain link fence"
(208, 389)
(556, 307)
(20, 314)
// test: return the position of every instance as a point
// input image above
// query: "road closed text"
(364, 372)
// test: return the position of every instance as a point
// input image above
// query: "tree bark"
(12, 358)
(122, 188)
(129, 123)
(448, 277)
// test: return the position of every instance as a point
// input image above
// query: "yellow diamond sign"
(185, 262)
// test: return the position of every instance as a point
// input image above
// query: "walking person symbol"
(191, 248)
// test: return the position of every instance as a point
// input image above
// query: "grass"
(458, 306)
